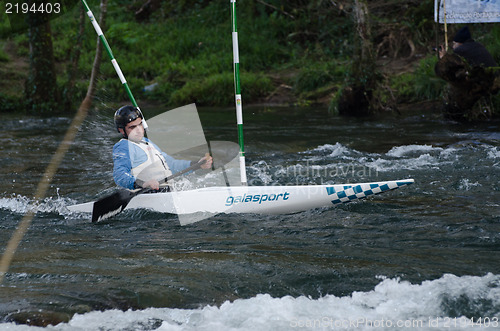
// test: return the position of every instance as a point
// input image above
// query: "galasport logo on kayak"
(256, 198)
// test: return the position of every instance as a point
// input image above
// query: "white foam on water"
(447, 303)
(467, 185)
(413, 157)
(17, 204)
(335, 150)
(22, 204)
(406, 157)
(400, 151)
(494, 154)
(344, 163)
(419, 162)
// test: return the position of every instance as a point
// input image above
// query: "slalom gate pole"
(237, 91)
(113, 60)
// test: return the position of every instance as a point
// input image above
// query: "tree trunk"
(41, 86)
(149, 7)
(357, 98)
(73, 69)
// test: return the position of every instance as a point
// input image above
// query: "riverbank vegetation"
(291, 52)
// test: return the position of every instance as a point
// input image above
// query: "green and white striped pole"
(113, 60)
(237, 91)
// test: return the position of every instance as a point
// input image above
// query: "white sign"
(467, 11)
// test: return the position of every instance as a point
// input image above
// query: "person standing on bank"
(473, 52)
(138, 162)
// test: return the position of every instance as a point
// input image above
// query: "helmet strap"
(124, 133)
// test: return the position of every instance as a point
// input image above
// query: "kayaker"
(138, 162)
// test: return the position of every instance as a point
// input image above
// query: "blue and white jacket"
(130, 158)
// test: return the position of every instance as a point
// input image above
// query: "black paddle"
(116, 202)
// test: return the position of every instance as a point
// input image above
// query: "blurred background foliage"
(179, 52)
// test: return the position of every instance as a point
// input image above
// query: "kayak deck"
(254, 199)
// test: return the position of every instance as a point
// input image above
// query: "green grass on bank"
(421, 84)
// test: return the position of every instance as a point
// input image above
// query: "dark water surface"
(430, 250)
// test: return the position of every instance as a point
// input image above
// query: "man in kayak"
(138, 162)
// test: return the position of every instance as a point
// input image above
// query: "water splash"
(21, 204)
(450, 302)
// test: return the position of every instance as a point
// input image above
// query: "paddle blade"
(111, 205)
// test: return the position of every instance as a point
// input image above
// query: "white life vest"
(155, 167)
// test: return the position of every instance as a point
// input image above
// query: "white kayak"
(254, 199)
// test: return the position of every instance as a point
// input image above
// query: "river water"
(424, 257)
